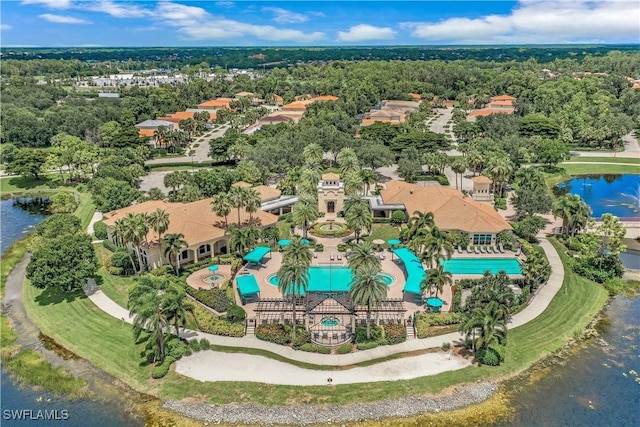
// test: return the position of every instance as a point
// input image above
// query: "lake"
(16, 223)
(615, 194)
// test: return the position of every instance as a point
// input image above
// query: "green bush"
(500, 204)
(108, 244)
(345, 348)
(315, 348)
(195, 345)
(302, 336)
(205, 344)
(424, 321)
(395, 333)
(366, 345)
(217, 299)
(236, 314)
(161, 370)
(100, 230)
(489, 357)
(342, 247)
(120, 260)
(272, 333)
(422, 326)
(377, 334)
(398, 217)
(319, 247)
(175, 347)
(377, 220)
(208, 322)
(446, 346)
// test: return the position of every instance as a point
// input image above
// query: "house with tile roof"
(452, 210)
(149, 127)
(214, 105)
(203, 230)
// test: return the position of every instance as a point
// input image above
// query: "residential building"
(214, 105)
(149, 127)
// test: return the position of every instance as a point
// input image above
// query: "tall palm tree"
(177, 307)
(573, 211)
(252, 202)
(308, 183)
(243, 238)
(221, 206)
(436, 279)
(489, 325)
(159, 222)
(359, 218)
(237, 197)
(172, 245)
(369, 178)
(348, 161)
(293, 280)
(146, 302)
(304, 213)
(438, 246)
(120, 232)
(353, 183)
(312, 154)
(135, 232)
(419, 220)
(363, 256)
(458, 167)
(298, 251)
(499, 169)
(368, 288)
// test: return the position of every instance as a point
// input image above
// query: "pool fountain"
(330, 229)
(214, 279)
(329, 322)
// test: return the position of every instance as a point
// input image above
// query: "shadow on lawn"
(54, 295)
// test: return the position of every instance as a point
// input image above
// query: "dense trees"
(368, 289)
(532, 195)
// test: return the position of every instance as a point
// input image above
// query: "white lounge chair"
(331, 257)
(495, 249)
(459, 249)
(469, 249)
(483, 250)
(518, 251)
(501, 249)
(315, 255)
(339, 256)
(382, 257)
(476, 250)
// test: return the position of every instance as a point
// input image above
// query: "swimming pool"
(327, 279)
(480, 265)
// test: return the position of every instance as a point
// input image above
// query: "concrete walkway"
(631, 149)
(97, 216)
(201, 152)
(537, 305)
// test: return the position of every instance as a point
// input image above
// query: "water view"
(616, 194)
(17, 220)
(598, 386)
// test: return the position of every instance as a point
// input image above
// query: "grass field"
(621, 160)
(115, 287)
(108, 343)
(382, 231)
(573, 169)
(18, 184)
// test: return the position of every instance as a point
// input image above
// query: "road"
(438, 125)
(201, 152)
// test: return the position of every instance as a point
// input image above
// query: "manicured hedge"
(424, 320)
(100, 230)
(217, 299)
(315, 348)
(345, 348)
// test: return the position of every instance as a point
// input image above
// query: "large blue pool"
(327, 279)
(480, 265)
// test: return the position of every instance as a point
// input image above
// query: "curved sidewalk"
(537, 305)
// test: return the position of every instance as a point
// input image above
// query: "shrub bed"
(340, 230)
(315, 348)
(217, 299)
(100, 230)
(424, 321)
(345, 348)
(281, 334)
(395, 333)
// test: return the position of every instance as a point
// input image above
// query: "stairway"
(410, 332)
(250, 328)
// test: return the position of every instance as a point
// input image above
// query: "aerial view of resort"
(305, 213)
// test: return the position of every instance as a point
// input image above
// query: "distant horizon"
(254, 23)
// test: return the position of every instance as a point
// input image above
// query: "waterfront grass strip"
(583, 159)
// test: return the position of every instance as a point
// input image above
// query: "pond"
(615, 194)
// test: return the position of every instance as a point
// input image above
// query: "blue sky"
(315, 23)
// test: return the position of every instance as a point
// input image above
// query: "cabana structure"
(414, 269)
(256, 255)
(248, 288)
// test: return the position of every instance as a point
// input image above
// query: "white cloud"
(226, 4)
(364, 32)
(197, 24)
(540, 21)
(53, 4)
(5, 27)
(117, 10)
(285, 16)
(62, 19)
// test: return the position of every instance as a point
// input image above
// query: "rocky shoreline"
(310, 414)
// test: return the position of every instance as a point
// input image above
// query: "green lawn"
(383, 231)
(18, 184)
(85, 209)
(115, 287)
(600, 169)
(604, 160)
(80, 326)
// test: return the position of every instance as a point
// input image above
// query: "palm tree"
(221, 206)
(459, 166)
(353, 183)
(499, 169)
(243, 238)
(438, 246)
(436, 279)
(293, 279)
(172, 245)
(146, 302)
(298, 251)
(312, 154)
(419, 220)
(363, 256)
(237, 197)
(308, 183)
(121, 234)
(177, 307)
(536, 268)
(135, 232)
(304, 213)
(359, 218)
(368, 289)
(573, 211)
(348, 161)
(159, 222)
(369, 178)
(252, 202)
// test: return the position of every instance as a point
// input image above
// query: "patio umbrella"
(284, 242)
(435, 303)
(378, 242)
(213, 268)
(393, 242)
(305, 241)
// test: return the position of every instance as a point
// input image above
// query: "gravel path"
(250, 368)
(310, 414)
